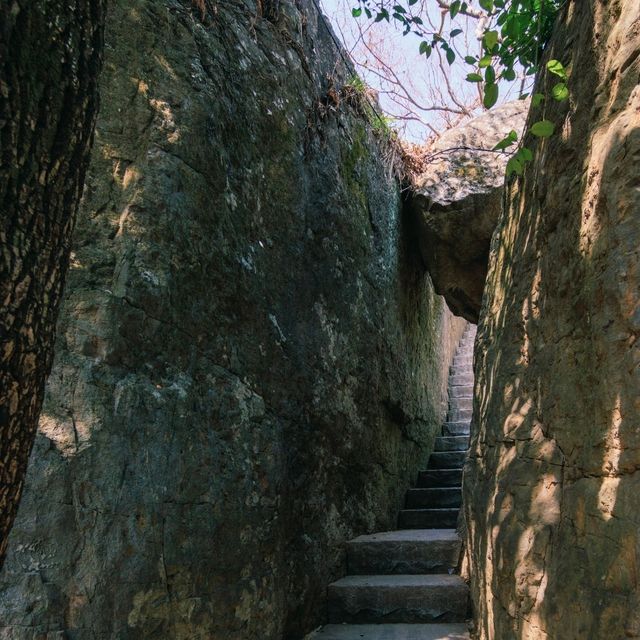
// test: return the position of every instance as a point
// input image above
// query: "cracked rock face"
(552, 489)
(457, 202)
(251, 363)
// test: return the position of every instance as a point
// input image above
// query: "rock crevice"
(244, 307)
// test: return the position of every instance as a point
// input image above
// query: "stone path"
(402, 584)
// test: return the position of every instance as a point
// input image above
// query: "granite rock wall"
(251, 362)
(552, 490)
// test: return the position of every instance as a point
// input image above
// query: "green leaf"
(451, 56)
(491, 93)
(456, 32)
(490, 40)
(470, 59)
(560, 91)
(356, 13)
(526, 154)
(398, 8)
(487, 5)
(537, 99)
(474, 77)
(454, 8)
(490, 75)
(425, 48)
(507, 141)
(543, 128)
(485, 61)
(412, 2)
(555, 66)
(514, 166)
(509, 75)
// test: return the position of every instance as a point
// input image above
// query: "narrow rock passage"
(402, 584)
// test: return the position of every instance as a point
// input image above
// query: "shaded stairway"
(401, 584)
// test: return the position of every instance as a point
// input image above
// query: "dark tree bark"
(50, 58)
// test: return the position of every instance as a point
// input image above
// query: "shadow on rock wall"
(250, 368)
(551, 491)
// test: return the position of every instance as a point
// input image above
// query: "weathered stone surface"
(440, 497)
(457, 202)
(398, 598)
(440, 478)
(392, 632)
(552, 490)
(428, 518)
(451, 443)
(251, 362)
(404, 551)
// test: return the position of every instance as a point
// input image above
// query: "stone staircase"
(402, 584)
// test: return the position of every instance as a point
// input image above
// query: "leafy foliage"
(513, 37)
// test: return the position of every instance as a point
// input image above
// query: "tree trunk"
(50, 57)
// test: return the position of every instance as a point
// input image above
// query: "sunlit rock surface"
(552, 489)
(457, 200)
(251, 363)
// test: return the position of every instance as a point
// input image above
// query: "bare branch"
(471, 13)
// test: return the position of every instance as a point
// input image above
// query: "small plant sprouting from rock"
(357, 92)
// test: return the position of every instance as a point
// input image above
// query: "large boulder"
(552, 487)
(457, 200)
(251, 363)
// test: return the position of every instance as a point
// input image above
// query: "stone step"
(461, 380)
(467, 370)
(439, 478)
(462, 360)
(447, 460)
(409, 551)
(464, 350)
(398, 598)
(451, 443)
(428, 518)
(434, 497)
(460, 403)
(462, 428)
(460, 391)
(459, 415)
(435, 631)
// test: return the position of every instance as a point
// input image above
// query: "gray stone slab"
(461, 391)
(458, 370)
(453, 631)
(459, 415)
(398, 598)
(461, 379)
(412, 551)
(451, 443)
(461, 428)
(434, 497)
(447, 460)
(440, 478)
(428, 518)
(460, 403)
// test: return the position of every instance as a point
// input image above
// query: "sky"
(411, 85)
